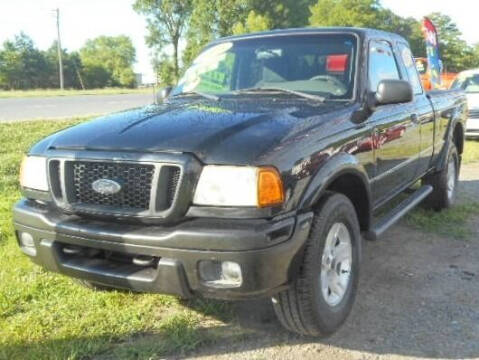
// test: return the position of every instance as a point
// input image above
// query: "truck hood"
(238, 130)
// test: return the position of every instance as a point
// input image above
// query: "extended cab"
(257, 176)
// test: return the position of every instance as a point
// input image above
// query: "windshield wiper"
(288, 91)
(202, 94)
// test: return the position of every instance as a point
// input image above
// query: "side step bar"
(398, 212)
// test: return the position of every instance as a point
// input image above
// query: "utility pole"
(59, 49)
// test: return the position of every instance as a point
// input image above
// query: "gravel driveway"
(418, 298)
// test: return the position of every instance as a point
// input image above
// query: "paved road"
(18, 109)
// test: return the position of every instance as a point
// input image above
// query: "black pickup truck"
(256, 176)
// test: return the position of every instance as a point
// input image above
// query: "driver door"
(396, 130)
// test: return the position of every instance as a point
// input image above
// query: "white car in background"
(469, 82)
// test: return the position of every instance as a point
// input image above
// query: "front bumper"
(268, 251)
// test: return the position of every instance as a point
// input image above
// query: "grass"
(471, 152)
(453, 222)
(44, 315)
(450, 223)
(58, 92)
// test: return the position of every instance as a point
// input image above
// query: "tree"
(216, 18)
(284, 13)
(167, 20)
(361, 13)
(475, 50)
(10, 66)
(254, 22)
(165, 69)
(367, 13)
(211, 19)
(456, 55)
(72, 68)
(108, 61)
(22, 65)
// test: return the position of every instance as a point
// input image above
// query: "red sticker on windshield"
(337, 63)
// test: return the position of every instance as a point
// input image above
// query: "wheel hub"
(336, 264)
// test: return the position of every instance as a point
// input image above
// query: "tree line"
(108, 61)
(102, 62)
(196, 22)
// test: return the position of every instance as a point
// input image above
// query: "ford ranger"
(258, 175)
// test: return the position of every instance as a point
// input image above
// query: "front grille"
(135, 181)
(173, 180)
(147, 189)
(474, 114)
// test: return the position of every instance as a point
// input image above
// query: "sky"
(80, 20)
(85, 19)
(463, 13)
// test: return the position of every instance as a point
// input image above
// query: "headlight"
(33, 173)
(239, 186)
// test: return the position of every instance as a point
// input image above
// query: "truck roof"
(361, 32)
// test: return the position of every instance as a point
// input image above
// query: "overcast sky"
(86, 19)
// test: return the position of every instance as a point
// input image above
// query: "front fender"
(336, 166)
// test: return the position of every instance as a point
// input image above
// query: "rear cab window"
(411, 68)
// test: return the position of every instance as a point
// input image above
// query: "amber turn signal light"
(270, 187)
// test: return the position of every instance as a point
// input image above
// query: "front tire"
(321, 297)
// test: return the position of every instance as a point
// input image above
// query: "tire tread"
(293, 306)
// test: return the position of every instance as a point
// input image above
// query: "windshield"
(321, 65)
(470, 84)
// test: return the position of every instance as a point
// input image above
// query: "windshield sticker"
(207, 61)
(218, 51)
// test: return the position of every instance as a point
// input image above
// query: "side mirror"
(393, 92)
(163, 93)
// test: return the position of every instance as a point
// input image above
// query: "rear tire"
(444, 183)
(322, 295)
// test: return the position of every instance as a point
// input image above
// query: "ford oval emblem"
(106, 186)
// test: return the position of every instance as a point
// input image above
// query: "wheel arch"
(455, 135)
(458, 137)
(342, 174)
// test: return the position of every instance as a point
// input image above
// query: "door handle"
(415, 118)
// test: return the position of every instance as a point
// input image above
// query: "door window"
(382, 64)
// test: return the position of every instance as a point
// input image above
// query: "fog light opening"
(72, 250)
(27, 244)
(221, 274)
(231, 271)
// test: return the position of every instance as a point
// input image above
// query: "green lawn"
(47, 316)
(58, 92)
(471, 152)
(452, 223)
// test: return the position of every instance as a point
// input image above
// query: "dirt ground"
(418, 298)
